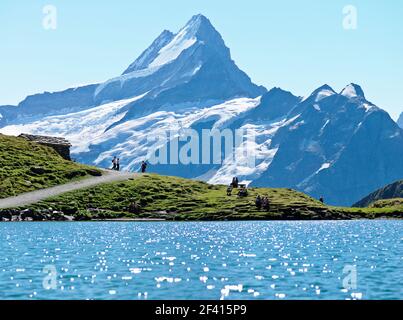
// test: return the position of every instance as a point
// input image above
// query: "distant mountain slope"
(46, 104)
(391, 191)
(339, 146)
(400, 121)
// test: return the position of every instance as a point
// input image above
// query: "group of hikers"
(116, 165)
(260, 202)
(242, 191)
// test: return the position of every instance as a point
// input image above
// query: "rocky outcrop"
(14, 215)
(60, 145)
(293, 213)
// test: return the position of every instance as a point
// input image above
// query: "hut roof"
(46, 140)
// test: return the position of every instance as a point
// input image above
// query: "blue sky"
(293, 44)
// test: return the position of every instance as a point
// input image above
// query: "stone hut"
(60, 145)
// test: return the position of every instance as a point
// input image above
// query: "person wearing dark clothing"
(118, 164)
(143, 167)
(114, 163)
(258, 202)
(322, 200)
(235, 183)
(266, 204)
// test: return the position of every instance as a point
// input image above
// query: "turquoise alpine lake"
(202, 260)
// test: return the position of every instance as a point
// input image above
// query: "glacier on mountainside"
(339, 146)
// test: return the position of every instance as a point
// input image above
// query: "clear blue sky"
(297, 45)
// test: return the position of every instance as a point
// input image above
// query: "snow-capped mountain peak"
(195, 54)
(197, 22)
(320, 93)
(353, 91)
(168, 46)
(201, 28)
(151, 52)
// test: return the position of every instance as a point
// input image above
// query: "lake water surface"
(205, 260)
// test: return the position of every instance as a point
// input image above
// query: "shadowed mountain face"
(339, 146)
(336, 145)
(391, 191)
(400, 121)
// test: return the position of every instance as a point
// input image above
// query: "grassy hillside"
(388, 203)
(153, 196)
(27, 166)
(391, 191)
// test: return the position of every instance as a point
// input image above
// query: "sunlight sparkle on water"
(231, 260)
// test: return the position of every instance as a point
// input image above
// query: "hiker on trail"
(114, 163)
(229, 190)
(143, 167)
(258, 202)
(118, 164)
(266, 204)
(321, 199)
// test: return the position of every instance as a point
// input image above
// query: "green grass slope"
(388, 203)
(171, 198)
(27, 166)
